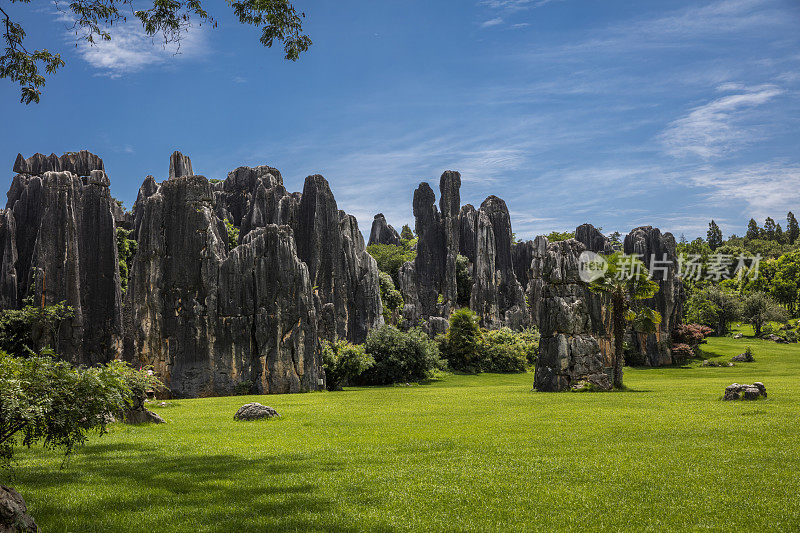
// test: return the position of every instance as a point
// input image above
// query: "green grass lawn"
(469, 453)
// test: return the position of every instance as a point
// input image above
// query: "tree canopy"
(93, 21)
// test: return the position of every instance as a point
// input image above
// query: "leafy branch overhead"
(170, 19)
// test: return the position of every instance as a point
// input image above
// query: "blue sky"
(615, 113)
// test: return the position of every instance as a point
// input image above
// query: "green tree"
(714, 236)
(715, 307)
(390, 258)
(391, 298)
(625, 281)
(406, 234)
(25, 331)
(126, 249)
(463, 281)
(768, 233)
(463, 341)
(555, 236)
(44, 400)
(343, 361)
(753, 231)
(759, 309)
(792, 229)
(169, 19)
(233, 234)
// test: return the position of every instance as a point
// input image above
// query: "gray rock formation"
(576, 340)
(383, 233)
(249, 197)
(343, 274)
(59, 244)
(122, 218)
(592, 239)
(208, 320)
(521, 257)
(179, 165)
(79, 163)
(14, 517)
(497, 297)
(658, 252)
(254, 411)
(467, 231)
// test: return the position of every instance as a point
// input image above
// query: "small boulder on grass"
(746, 357)
(736, 391)
(255, 411)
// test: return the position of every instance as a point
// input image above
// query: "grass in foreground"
(471, 453)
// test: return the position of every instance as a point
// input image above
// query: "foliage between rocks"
(44, 400)
(342, 362)
(400, 356)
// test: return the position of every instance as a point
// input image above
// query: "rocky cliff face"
(59, 244)
(658, 252)
(179, 165)
(383, 233)
(79, 163)
(575, 325)
(497, 296)
(208, 320)
(592, 239)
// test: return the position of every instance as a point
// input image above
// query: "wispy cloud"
(765, 189)
(715, 128)
(492, 22)
(131, 49)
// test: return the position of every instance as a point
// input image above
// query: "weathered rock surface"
(737, 391)
(467, 231)
(521, 258)
(497, 297)
(14, 517)
(344, 275)
(59, 244)
(179, 165)
(79, 163)
(383, 233)
(658, 253)
(575, 326)
(207, 320)
(592, 239)
(254, 411)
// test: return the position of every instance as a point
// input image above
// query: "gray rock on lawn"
(255, 411)
(738, 336)
(143, 416)
(737, 391)
(14, 517)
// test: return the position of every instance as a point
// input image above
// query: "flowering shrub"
(691, 334)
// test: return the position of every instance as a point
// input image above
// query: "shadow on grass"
(156, 493)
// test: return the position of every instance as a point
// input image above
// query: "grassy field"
(470, 453)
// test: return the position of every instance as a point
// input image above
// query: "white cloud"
(131, 49)
(767, 189)
(492, 22)
(715, 128)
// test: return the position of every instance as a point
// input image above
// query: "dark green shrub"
(463, 341)
(463, 281)
(44, 400)
(391, 298)
(400, 356)
(243, 388)
(502, 351)
(342, 362)
(25, 331)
